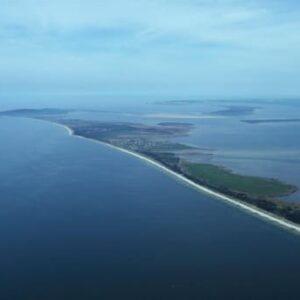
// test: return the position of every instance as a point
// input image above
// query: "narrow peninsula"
(154, 142)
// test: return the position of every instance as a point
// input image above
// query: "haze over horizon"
(211, 48)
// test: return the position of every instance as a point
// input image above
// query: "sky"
(215, 48)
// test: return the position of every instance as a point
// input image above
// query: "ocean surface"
(79, 220)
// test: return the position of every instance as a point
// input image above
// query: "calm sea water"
(81, 221)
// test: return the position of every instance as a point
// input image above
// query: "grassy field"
(222, 178)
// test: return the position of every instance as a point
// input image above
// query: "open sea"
(79, 220)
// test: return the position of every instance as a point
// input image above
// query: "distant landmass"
(284, 102)
(234, 111)
(179, 102)
(175, 124)
(35, 112)
(259, 121)
(153, 142)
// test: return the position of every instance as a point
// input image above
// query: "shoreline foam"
(232, 201)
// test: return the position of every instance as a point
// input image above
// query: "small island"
(233, 110)
(270, 121)
(154, 142)
(179, 102)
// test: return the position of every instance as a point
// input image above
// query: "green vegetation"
(161, 147)
(249, 185)
(166, 158)
(257, 191)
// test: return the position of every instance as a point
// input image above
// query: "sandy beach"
(232, 201)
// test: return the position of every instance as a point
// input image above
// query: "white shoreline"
(235, 202)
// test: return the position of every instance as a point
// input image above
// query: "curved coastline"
(230, 200)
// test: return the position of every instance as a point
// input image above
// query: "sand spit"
(235, 202)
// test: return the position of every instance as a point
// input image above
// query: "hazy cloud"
(209, 47)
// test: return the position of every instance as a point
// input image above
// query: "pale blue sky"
(217, 48)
